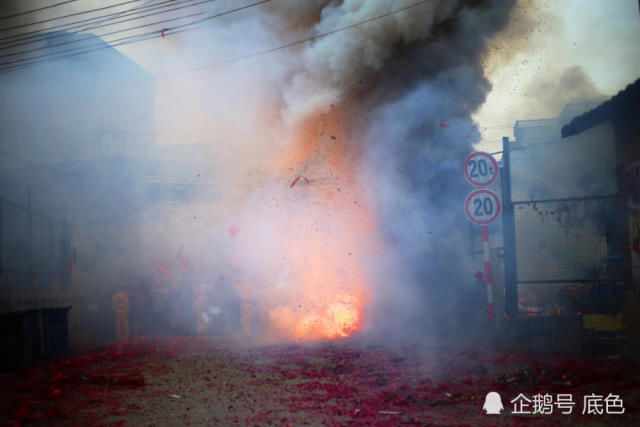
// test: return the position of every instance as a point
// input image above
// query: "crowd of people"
(154, 307)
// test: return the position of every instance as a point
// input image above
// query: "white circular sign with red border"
(482, 206)
(481, 169)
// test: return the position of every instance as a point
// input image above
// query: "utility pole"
(509, 234)
(1, 239)
(30, 236)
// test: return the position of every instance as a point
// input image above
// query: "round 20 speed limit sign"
(480, 169)
(482, 206)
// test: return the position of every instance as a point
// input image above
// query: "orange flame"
(326, 238)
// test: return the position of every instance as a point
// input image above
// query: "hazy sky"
(599, 36)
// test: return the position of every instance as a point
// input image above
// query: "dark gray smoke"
(401, 85)
(409, 84)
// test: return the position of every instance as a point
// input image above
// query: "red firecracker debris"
(150, 381)
(295, 181)
(443, 125)
(479, 276)
(163, 31)
(233, 231)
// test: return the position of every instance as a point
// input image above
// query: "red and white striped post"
(482, 207)
(487, 271)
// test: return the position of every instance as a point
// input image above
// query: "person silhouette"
(493, 403)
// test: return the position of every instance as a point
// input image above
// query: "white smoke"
(393, 82)
(332, 66)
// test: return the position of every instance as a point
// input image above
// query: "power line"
(85, 24)
(67, 16)
(67, 42)
(48, 31)
(11, 65)
(17, 64)
(91, 36)
(36, 10)
(181, 28)
(297, 42)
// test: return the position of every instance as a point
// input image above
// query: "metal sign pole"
(30, 237)
(509, 233)
(487, 272)
(482, 207)
(1, 239)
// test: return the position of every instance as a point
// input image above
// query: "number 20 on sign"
(480, 169)
(482, 206)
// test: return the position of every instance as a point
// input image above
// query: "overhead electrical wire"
(55, 18)
(50, 32)
(92, 23)
(93, 36)
(181, 28)
(121, 41)
(297, 42)
(36, 10)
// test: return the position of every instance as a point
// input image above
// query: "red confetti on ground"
(233, 231)
(443, 125)
(218, 381)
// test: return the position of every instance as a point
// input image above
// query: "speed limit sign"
(481, 169)
(482, 206)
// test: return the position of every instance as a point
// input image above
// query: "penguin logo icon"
(493, 403)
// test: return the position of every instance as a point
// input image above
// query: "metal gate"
(562, 256)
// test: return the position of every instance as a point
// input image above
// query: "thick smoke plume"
(559, 89)
(337, 161)
(402, 90)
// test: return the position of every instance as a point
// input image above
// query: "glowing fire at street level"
(325, 236)
(324, 298)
